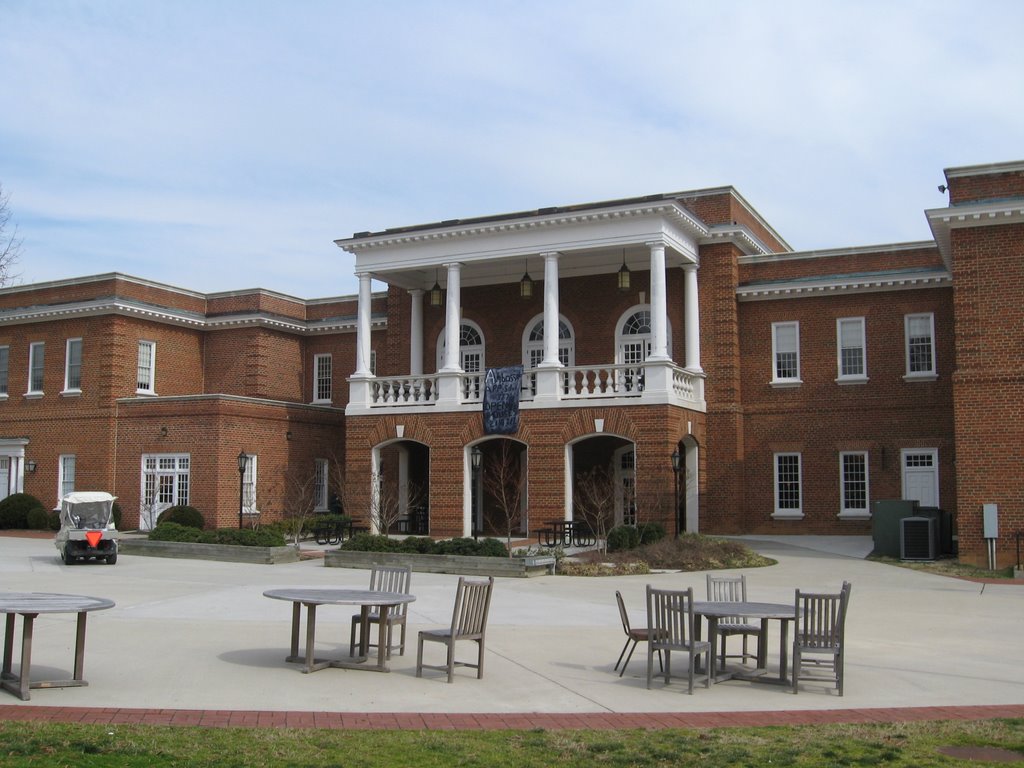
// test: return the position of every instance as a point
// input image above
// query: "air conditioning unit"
(918, 538)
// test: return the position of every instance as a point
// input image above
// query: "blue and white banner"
(501, 400)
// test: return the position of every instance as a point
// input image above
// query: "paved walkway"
(195, 643)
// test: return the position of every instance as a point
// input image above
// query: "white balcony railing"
(652, 382)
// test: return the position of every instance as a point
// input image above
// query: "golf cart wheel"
(67, 557)
(111, 559)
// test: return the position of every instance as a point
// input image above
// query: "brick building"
(795, 388)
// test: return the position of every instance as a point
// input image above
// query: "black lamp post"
(676, 465)
(242, 458)
(475, 457)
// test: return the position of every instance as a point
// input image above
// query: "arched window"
(533, 347)
(471, 347)
(633, 338)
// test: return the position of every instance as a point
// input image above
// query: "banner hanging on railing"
(501, 400)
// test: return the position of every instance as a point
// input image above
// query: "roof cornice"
(771, 258)
(1015, 166)
(738, 235)
(981, 214)
(182, 318)
(835, 284)
(540, 219)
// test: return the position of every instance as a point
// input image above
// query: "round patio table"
(364, 598)
(784, 613)
(29, 605)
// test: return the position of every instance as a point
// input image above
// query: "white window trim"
(249, 501)
(68, 390)
(934, 453)
(177, 473)
(152, 368)
(931, 375)
(785, 382)
(317, 360)
(788, 513)
(859, 378)
(854, 513)
(31, 358)
(61, 462)
(320, 470)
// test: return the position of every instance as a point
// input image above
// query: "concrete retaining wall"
(224, 552)
(465, 565)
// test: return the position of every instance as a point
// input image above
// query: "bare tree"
(502, 480)
(10, 244)
(594, 502)
(300, 500)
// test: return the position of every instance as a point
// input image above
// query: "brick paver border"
(211, 718)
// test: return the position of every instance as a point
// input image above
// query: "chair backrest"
(622, 612)
(727, 589)
(472, 604)
(821, 618)
(670, 616)
(395, 579)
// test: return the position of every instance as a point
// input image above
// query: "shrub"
(15, 508)
(623, 537)
(38, 519)
(245, 537)
(650, 533)
(183, 515)
(424, 545)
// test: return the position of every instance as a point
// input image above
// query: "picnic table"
(566, 533)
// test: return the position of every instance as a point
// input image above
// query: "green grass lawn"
(899, 744)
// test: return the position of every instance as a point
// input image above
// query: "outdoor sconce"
(475, 456)
(623, 274)
(676, 466)
(30, 465)
(526, 285)
(288, 435)
(163, 431)
(435, 293)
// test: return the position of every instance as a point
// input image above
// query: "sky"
(220, 145)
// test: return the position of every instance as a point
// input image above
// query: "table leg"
(296, 621)
(310, 635)
(364, 629)
(713, 639)
(9, 643)
(382, 638)
(24, 674)
(80, 646)
(762, 645)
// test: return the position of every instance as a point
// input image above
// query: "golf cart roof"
(84, 497)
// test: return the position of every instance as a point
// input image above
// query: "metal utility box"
(885, 524)
(918, 538)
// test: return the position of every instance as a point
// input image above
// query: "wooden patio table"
(29, 605)
(365, 598)
(784, 613)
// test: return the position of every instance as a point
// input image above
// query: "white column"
(363, 328)
(659, 305)
(416, 333)
(691, 320)
(453, 319)
(550, 311)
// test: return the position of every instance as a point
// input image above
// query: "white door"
(5, 476)
(921, 475)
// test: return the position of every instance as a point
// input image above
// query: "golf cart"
(87, 527)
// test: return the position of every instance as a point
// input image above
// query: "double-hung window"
(788, 501)
(919, 332)
(5, 356)
(852, 358)
(322, 365)
(73, 366)
(853, 471)
(786, 354)
(320, 484)
(66, 481)
(146, 376)
(249, 486)
(36, 358)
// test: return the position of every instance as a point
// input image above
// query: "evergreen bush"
(623, 537)
(650, 533)
(15, 508)
(245, 537)
(38, 519)
(183, 515)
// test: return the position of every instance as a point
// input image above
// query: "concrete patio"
(199, 635)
